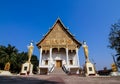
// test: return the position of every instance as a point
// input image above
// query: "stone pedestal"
(115, 73)
(90, 69)
(27, 69)
(5, 73)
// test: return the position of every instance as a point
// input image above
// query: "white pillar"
(50, 56)
(77, 57)
(40, 61)
(67, 57)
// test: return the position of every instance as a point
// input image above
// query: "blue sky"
(24, 20)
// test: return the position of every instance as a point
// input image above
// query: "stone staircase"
(58, 71)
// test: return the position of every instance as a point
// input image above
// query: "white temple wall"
(59, 55)
(45, 56)
(72, 56)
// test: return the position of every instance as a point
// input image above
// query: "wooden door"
(58, 63)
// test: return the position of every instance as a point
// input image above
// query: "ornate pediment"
(58, 36)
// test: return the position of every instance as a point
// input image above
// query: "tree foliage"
(10, 54)
(114, 40)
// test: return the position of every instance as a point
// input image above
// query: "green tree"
(2, 62)
(35, 62)
(8, 54)
(114, 40)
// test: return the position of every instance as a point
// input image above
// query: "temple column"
(50, 56)
(40, 61)
(77, 57)
(67, 59)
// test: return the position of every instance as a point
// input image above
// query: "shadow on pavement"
(24, 80)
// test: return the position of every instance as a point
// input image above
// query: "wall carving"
(58, 38)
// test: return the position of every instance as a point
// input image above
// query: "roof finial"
(58, 18)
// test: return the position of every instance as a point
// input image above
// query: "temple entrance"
(58, 63)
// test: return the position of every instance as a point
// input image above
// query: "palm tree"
(11, 55)
(8, 54)
(2, 60)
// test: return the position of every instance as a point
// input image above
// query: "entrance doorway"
(58, 63)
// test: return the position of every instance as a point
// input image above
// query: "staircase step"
(58, 71)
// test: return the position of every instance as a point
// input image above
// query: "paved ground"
(58, 79)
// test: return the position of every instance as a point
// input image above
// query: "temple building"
(58, 49)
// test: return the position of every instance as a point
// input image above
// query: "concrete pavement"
(59, 79)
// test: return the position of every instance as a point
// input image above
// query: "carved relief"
(58, 41)
(45, 47)
(72, 47)
(47, 42)
(58, 38)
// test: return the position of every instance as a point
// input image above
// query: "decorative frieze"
(57, 41)
(47, 47)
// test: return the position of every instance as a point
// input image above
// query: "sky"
(88, 20)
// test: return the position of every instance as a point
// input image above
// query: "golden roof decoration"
(58, 35)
